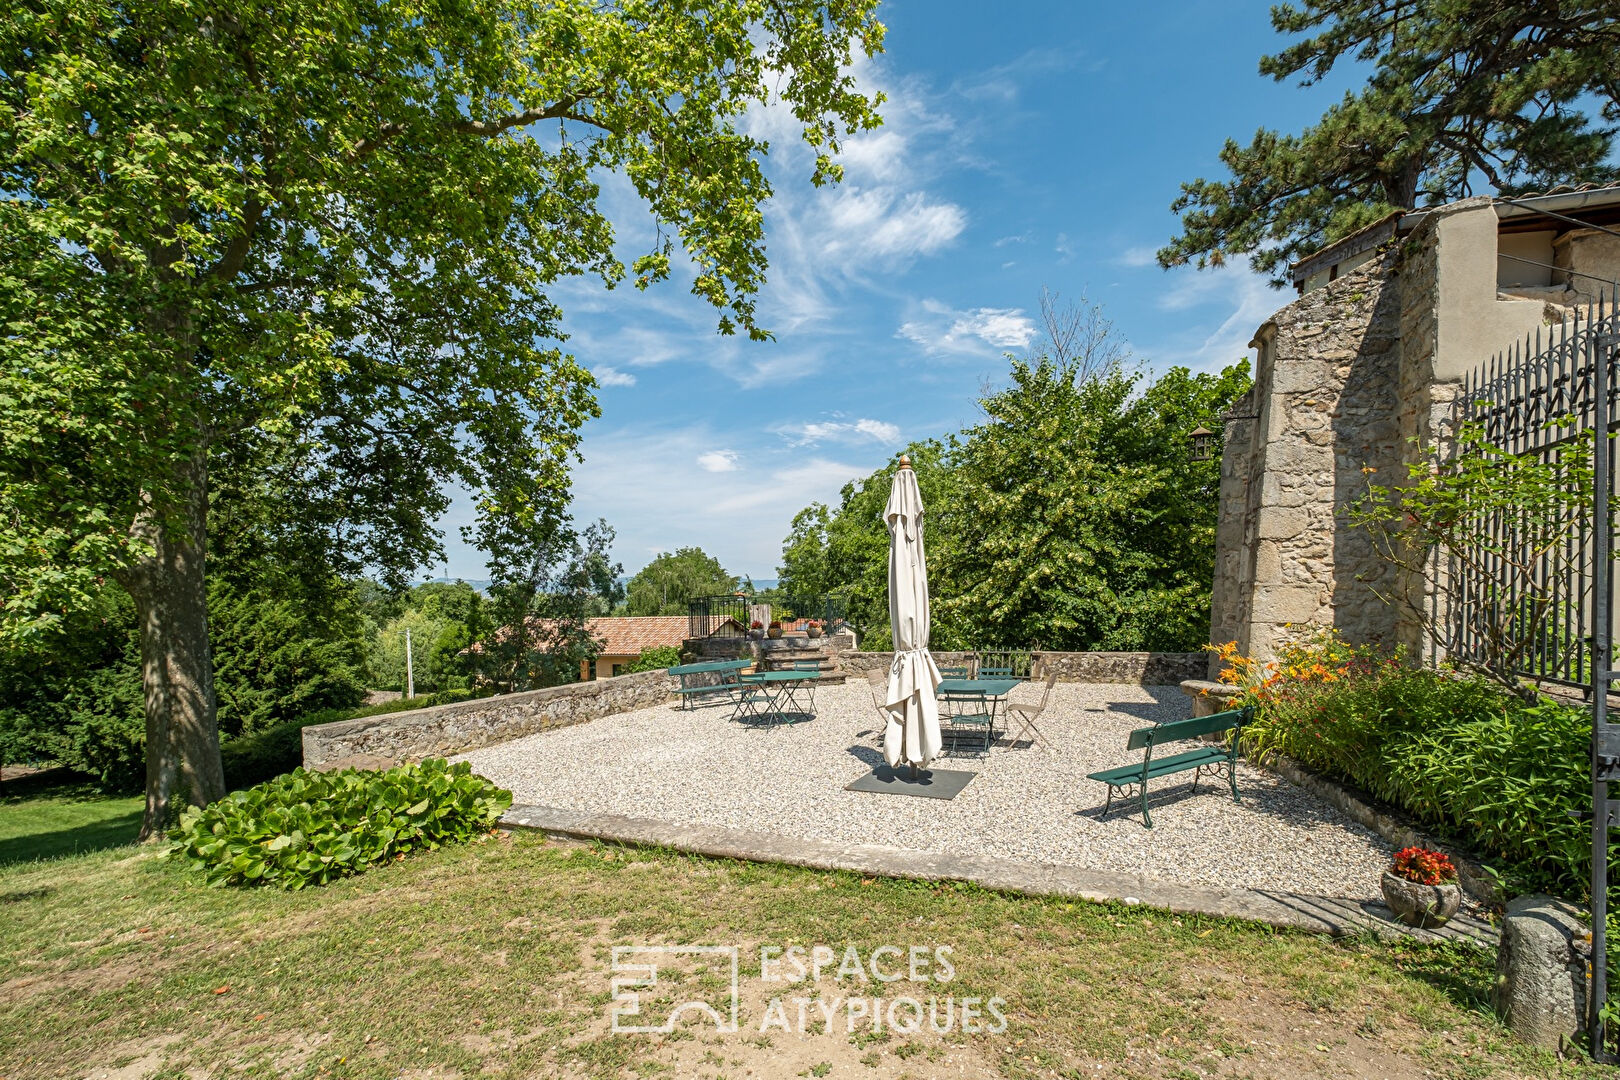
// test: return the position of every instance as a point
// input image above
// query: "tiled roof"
(629, 635)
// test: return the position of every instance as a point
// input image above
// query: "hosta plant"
(308, 828)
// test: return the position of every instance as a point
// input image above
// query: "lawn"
(44, 816)
(494, 960)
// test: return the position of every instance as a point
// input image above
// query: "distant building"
(1371, 357)
(625, 638)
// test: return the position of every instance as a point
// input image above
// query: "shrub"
(664, 656)
(1466, 757)
(309, 828)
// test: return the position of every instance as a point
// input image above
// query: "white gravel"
(699, 768)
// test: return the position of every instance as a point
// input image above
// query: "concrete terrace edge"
(1291, 911)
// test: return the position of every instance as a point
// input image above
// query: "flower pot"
(774, 632)
(813, 631)
(756, 634)
(1420, 905)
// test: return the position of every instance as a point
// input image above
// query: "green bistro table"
(985, 693)
(779, 693)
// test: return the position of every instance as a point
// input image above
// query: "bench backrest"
(1178, 730)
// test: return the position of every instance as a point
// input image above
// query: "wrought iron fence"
(1534, 399)
(707, 616)
(1015, 663)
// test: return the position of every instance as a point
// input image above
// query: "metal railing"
(707, 616)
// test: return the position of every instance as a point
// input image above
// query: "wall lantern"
(1203, 444)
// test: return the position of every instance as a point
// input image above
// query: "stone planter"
(774, 632)
(812, 631)
(756, 635)
(1420, 905)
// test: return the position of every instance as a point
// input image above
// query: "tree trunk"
(171, 605)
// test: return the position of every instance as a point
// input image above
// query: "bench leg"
(1147, 819)
(1107, 803)
(1231, 775)
(1196, 774)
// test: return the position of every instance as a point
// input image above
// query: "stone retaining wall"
(1146, 669)
(467, 725)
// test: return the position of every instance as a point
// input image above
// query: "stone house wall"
(1356, 382)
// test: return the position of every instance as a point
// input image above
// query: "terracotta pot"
(1420, 905)
(813, 631)
(775, 632)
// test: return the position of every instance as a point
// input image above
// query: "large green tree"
(1461, 95)
(314, 244)
(663, 586)
(1075, 519)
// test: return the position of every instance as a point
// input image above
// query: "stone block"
(1287, 604)
(1540, 990)
(1283, 522)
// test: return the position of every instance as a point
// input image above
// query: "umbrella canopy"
(912, 734)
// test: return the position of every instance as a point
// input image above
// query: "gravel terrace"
(699, 768)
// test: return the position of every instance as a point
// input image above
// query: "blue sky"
(1024, 146)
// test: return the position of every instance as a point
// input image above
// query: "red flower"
(1423, 866)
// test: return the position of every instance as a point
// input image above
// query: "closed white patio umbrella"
(912, 734)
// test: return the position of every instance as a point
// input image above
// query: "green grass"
(492, 960)
(49, 815)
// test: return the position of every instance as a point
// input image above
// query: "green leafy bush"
(309, 828)
(1462, 755)
(664, 656)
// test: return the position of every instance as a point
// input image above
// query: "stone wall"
(468, 725)
(1147, 669)
(1324, 410)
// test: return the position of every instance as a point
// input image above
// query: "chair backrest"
(807, 665)
(995, 672)
(955, 671)
(1046, 693)
(1179, 730)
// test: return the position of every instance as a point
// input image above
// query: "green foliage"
(843, 551)
(1459, 91)
(282, 651)
(1462, 755)
(320, 240)
(307, 829)
(655, 659)
(1069, 519)
(541, 611)
(1075, 520)
(663, 586)
(74, 696)
(1453, 509)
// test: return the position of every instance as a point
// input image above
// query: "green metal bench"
(1217, 759)
(725, 673)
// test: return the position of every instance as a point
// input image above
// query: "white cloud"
(645, 483)
(939, 328)
(886, 224)
(612, 376)
(809, 434)
(1234, 294)
(879, 430)
(1141, 255)
(718, 461)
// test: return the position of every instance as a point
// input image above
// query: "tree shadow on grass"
(57, 813)
(107, 832)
